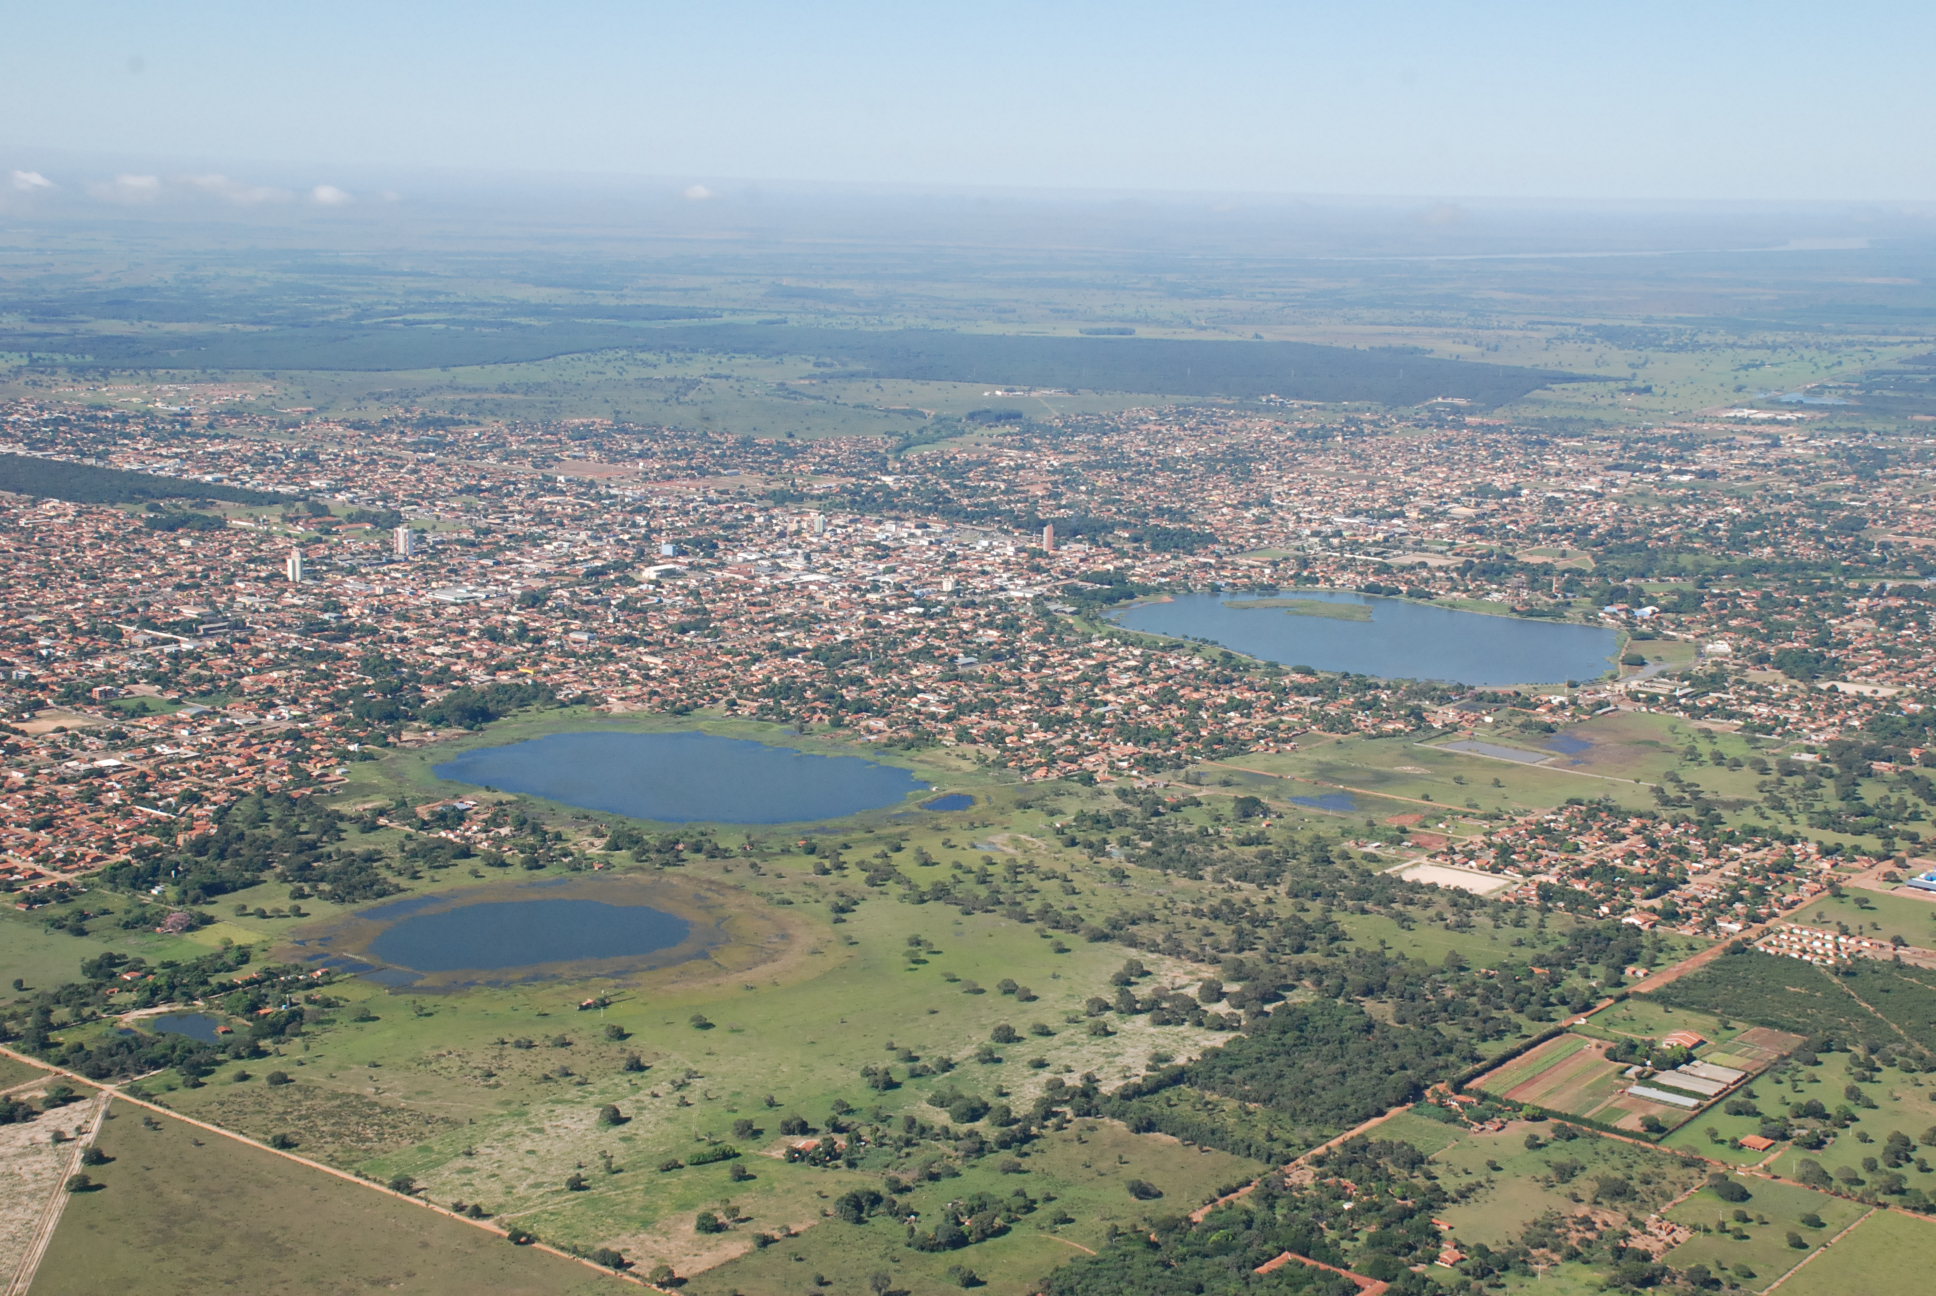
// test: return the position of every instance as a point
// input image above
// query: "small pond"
(197, 1026)
(1336, 802)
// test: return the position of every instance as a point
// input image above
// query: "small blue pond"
(1336, 802)
(953, 801)
(197, 1026)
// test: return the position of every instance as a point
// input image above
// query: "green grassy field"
(1422, 1132)
(435, 1086)
(1895, 1101)
(1510, 1185)
(44, 959)
(1887, 1252)
(1643, 1017)
(1528, 1065)
(14, 1073)
(182, 1211)
(1910, 915)
(1760, 1242)
(1084, 1168)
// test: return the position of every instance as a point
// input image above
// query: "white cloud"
(328, 195)
(129, 188)
(31, 182)
(698, 193)
(236, 191)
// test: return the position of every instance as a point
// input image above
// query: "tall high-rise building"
(293, 568)
(818, 524)
(403, 541)
(1048, 537)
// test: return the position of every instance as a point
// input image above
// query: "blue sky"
(1546, 98)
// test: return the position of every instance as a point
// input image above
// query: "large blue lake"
(685, 777)
(1402, 640)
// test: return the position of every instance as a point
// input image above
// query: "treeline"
(468, 706)
(1184, 367)
(265, 835)
(1368, 1210)
(1321, 1067)
(88, 484)
(223, 978)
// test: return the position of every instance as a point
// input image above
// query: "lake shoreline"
(1418, 640)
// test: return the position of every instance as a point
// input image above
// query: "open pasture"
(1774, 1213)
(181, 1210)
(1882, 915)
(1514, 1183)
(1084, 1167)
(1427, 777)
(1887, 1252)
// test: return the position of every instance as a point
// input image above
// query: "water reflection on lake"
(685, 777)
(521, 933)
(1400, 640)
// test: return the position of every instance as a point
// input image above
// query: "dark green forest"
(87, 484)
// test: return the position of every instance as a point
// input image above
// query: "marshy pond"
(503, 932)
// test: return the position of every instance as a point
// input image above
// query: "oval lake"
(685, 777)
(1384, 637)
(494, 935)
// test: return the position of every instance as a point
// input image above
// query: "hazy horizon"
(1775, 102)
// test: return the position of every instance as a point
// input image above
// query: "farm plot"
(1573, 1075)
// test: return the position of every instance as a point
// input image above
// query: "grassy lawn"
(14, 1073)
(1404, 769)
(1760, 1241)
(45, 959)
(1901, 1101)
(1481, 943)
(182, 1211)
(1887, 1252)
(436, 1086)
(1512, 1184)
(1525, 1067)
(1642, 1017)
(1910, 915)
(146, 706)
(1427, 1135)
